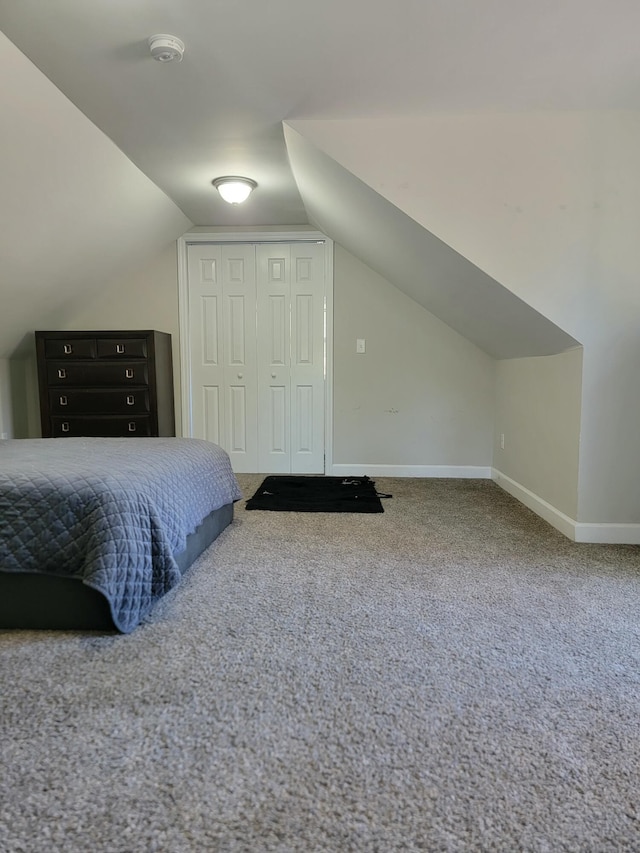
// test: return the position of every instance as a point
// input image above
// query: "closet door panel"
(240, 374)
(212, 420)
(307, 358)
(206, 340)
(274, 359)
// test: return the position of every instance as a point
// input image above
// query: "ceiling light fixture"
(166, 48)
(234, 189)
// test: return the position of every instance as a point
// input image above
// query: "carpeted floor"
(451, 675)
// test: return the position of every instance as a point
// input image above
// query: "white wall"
(147, 298)
(547, 205)
(421, 395)
(610, 458)
(537, 411)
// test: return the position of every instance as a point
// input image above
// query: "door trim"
(253, 237)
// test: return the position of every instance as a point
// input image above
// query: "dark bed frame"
(30, 600)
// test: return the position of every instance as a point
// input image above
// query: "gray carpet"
(451, 675)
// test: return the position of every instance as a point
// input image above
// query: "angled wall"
(74, 212)
(438, 277)
(544, 204)
(537, 430)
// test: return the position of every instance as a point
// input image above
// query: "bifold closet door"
(222, 327)
(256, 326)
(291, 288)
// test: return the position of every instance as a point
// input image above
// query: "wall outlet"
(501, 441)
(360, 345)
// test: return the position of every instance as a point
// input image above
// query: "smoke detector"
(166, 48)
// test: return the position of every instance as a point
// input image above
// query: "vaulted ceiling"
(250, 64)
(248, 67)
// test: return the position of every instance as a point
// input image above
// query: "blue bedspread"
(111, 511)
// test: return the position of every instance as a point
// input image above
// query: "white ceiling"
(250, 64)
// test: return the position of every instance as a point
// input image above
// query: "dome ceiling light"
(234, 189)
(166, 48)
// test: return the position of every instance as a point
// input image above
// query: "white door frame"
(196, 237)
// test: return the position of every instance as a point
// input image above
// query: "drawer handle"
(63, 400)
(62, 373)
(65, 427)
(68, 349)
(119, 348)
(130, 399)
(129, 373)
(132, 426)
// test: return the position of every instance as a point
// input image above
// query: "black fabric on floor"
(316, 494)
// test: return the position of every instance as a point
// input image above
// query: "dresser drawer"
(106, 427)
(88, 402)
(70, 348)
(97, 373)
(122, 348)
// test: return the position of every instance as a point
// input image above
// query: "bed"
(94, 531)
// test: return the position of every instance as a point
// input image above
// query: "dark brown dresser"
(105, 383)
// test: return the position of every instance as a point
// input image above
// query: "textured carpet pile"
(451, 675)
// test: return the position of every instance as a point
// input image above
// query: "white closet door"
(256, 327)
(274, 359)
(206, 335)
(240, 375)
(222, 327)
(307, 358)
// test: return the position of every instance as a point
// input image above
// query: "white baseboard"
(577, 531)
(609, 534)
(466, 472)
(545, 510)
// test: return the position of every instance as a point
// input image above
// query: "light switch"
(360, 345)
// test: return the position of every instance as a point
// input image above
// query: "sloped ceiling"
(416, 261)
(78, 208)
(250, 65)
(74, 212)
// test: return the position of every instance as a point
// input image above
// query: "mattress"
(111, 513)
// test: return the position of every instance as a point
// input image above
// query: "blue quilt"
(110, 511)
